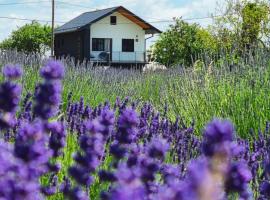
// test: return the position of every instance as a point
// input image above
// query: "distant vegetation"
(238, 27)
(30, 38)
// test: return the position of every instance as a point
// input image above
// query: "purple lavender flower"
(81, 175)
(12, 71)
(16, 181)
(30, 147)
(128, 185)
(87, 113)
(117, 150)
(48, 94)
(237, 179)
(107, 176)
(133, 191)
(47, 99)
(57, 137)
(88, 159)
(75, 194)
(265, 189)
(170, 173)
(200, 183)
(158, 148)
(216, 134)
(9, 96)
(81, 106)
(106, 119)
(53, 70)
(52, 188)
(127, 126)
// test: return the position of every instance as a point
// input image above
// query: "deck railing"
(118, 56)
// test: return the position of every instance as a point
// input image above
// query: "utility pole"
(52, 41)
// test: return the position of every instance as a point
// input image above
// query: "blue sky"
(150, 10)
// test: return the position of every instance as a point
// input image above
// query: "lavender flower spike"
(53, 70)
(12, 71)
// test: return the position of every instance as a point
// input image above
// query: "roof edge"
(114, 9)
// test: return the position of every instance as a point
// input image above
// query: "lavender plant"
(66, 149)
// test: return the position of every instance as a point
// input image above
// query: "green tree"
(29, 38)
(242, 24)
(181, 43)
(254, 16)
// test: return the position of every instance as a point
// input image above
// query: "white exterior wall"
(124, 29)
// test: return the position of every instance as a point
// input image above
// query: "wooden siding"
(73, 44)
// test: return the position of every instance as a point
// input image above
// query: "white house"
(113, 35)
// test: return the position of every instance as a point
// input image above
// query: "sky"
(152, 11)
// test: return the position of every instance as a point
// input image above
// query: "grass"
(241, 95)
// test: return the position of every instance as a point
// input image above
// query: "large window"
(113, 20)
(98, 44)
(128, 45)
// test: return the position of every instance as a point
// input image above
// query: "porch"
(118, 57)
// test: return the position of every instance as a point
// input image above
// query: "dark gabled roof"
(88, 18)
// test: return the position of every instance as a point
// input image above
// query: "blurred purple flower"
(31, 147)
(217, 133)
(127, 126)
(9, 96)
(57, 137)
(16, 181)
(157, 148)
(53, 70)
(237, 179)
(12, 71)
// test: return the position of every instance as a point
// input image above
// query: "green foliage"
(29, 38)
(181, 43)
(253, 15)
(243, 24)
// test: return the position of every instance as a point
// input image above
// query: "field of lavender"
(91, 133)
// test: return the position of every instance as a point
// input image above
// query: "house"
(113, 35)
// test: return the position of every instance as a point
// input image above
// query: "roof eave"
(153, 30)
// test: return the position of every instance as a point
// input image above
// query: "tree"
(181, 43)
(29, 38)
(243, 24)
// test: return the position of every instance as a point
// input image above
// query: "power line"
(72, 4)
(27, 19)
(78, 25)
(22, 3)
(81, 6)
(64, 3)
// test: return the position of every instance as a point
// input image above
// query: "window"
(113, 20)
(128, 45)
(63, 42)
(98, 44)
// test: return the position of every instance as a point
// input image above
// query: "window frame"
(113, 20)
(128, 47)
(98, 44)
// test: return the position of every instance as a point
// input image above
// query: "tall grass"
(239, 92)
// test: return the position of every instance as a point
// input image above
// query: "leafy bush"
(30, 38)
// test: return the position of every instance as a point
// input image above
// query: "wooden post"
(52, 40)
